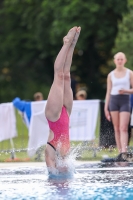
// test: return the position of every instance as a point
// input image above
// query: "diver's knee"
(67, 76)
(59, 75)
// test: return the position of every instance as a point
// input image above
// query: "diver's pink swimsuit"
(60, 129)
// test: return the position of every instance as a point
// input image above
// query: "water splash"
(65, 166)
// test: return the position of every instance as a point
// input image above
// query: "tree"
(31, 37)
(124, 39)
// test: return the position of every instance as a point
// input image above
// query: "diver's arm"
(50, 160)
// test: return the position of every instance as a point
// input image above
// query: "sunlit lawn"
(92, 152)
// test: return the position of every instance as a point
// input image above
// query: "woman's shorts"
(119, 103)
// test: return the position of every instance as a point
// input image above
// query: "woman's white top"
(120, 83)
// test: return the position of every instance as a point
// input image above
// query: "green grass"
(21, 143)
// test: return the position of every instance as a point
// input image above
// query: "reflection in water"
(62, 186)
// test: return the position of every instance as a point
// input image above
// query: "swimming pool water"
(89, 182)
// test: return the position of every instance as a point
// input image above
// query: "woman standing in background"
(117, 103)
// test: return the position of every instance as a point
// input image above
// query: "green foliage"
(31, 35)
(124, 39)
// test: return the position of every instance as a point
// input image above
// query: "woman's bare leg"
(124, 122)
(116, 125)
(68, 95)
(55, 98)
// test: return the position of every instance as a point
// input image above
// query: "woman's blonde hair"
(120, 53)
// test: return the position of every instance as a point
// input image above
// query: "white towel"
(7, 121)
(39, 129)
(83, 121)
(24, 118)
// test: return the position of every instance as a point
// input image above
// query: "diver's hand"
(53, 170)
(63, 169)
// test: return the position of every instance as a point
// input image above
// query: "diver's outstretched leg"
(68, 95)
(56, 94)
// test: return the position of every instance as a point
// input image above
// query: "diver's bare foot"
(70, 36)
(76, 37)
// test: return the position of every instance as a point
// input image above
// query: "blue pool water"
(94, 181)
